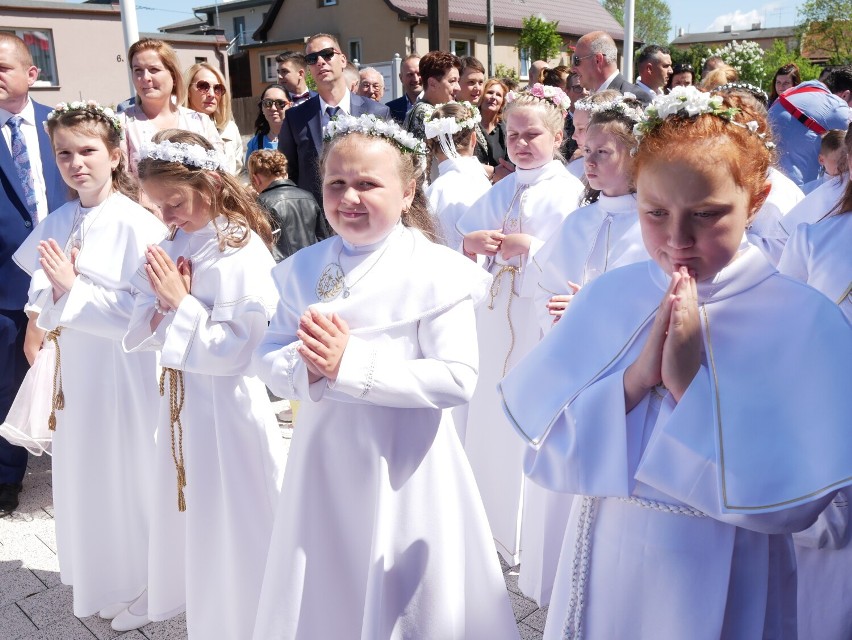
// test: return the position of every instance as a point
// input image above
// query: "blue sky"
(693, 16)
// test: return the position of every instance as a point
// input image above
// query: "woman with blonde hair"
(160, 91)
(207, 92)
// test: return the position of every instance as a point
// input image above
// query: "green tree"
(652, 19)
(779, 55)
(826, 25)
(540, 38)
(695, 55)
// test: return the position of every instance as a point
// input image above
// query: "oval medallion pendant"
(331, 282)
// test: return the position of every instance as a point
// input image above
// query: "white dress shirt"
(345, 105)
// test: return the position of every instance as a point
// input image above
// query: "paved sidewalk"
(34, 605)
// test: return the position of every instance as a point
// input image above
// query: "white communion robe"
(210, 559)
(460, 182)
(535, 202)
(819, 255)
(683, 527)
(380, 531)
(766, 231)
(103, 446)
(594, 239)
(816, 205)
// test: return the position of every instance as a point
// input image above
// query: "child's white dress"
(535, 202)
(103, 445)
(380, 531)
(681, 523)
(210, 558)
(460, 182)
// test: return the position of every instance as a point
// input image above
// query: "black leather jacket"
(297, 219)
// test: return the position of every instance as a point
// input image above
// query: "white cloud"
(743, 20)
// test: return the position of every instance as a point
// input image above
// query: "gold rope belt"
(57, 402)
(495, 291)
(176, 393)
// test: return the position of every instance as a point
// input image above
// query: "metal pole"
(489, 35)
(131, 33)
(627, 59)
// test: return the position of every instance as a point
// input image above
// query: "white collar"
(647, 88)
(345, 104)
(531, 176)
(616, 205)
(27, 114)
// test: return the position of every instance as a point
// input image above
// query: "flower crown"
(757, 92)
(450, 125)
(370, 125)
(689, 102)
(615, 106)
(556, 96)
(90, 107)
(192, 155)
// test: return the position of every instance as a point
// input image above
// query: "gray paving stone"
(537, 619)
(38, 472)
(521, 606)
(172, 629)
(49, 605)
(131, 635)
(511, 578)
(17, 584)
(30, 503)
(13, 622)
(101, 628)
(66, 628)
(29, 551)
(528, 633)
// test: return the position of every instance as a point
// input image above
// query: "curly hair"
(435, 64)
(97, 125)
(409, 168)
(269, 161)
(226, 195)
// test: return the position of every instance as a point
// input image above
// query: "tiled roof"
(736, 34)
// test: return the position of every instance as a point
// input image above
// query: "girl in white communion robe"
(679, 418)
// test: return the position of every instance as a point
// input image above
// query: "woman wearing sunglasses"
(271, 107)
(208, 94)
(160, 90)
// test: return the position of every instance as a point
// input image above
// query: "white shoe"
(129, 619)
(108, 613)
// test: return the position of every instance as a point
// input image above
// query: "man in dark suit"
(595, 61)
(409, 75)
(30, 187)
(291, 74)
(301, 134)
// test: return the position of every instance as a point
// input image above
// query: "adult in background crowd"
(800, 118)
(492, 129)
(272, 108)
(298, 221)
(537, 68)
(371, 84)
(30, 187)
(654, 65)
(207, 92)
(682, 76)
(711, 63)
(471, 80)
(301, 136)
(786, 77)
(595, 61)
(412, 88)
(439, 72)
(575, 91)
(558, 77)
(350, 72)
(159, 92)
(291, 75)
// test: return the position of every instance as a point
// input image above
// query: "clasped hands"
(489, 242)
(324, 339)
(672, 352)
(60, 270)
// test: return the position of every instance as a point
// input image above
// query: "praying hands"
(324, 340)
(59, 269)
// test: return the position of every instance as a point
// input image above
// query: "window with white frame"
(40, 44)
(355, 50)
(525, 62)
(460, 47)
(269, 68)
(327, 3)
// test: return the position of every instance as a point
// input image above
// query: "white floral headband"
(615, 106)
(554, 95)
(689, 102)
(192, 155)
(444, 128)
(91, 107)
(369, 125)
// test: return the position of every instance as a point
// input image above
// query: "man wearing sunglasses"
(301, 135)
(595, 61)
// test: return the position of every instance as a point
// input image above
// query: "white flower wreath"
(450, 126)
(370, 125)
(89, 106)
(192, 155)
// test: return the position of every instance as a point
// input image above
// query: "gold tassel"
(57, 402)
(176, 398)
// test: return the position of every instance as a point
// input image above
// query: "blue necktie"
(332, 111)
(22, 163)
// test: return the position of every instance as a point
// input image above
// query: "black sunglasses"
(203, 86)
(327, 54)
(576, 59)
(268, 103)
